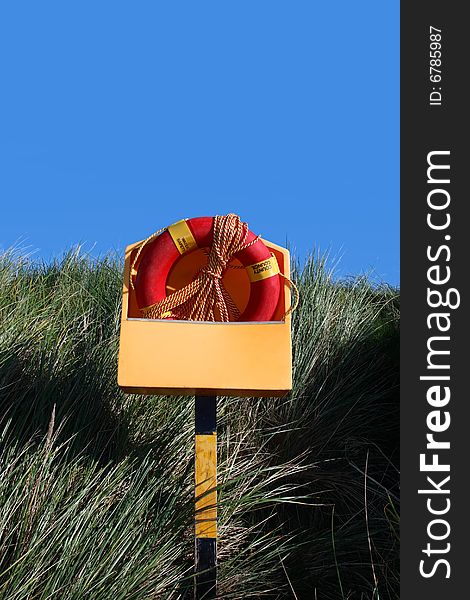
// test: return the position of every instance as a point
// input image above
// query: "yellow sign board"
(162, 356)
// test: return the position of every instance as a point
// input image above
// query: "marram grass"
(96, 487)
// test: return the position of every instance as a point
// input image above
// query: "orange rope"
(293, 305)
(206, 295)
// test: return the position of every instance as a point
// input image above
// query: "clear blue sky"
(118, 118)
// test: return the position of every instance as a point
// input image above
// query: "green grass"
(96, 487)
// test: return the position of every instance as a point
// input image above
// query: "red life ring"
(159, 256)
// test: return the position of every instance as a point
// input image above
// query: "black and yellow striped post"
(205, 498)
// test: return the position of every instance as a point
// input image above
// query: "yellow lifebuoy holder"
(162, 353)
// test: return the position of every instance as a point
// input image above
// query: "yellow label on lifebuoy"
(263, 270)
(182, 236)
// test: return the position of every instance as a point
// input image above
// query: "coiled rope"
(206, 294)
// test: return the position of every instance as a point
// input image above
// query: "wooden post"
(205, 586)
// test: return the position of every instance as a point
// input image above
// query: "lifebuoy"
(159, 256)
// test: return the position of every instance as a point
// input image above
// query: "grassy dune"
(96, 487)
